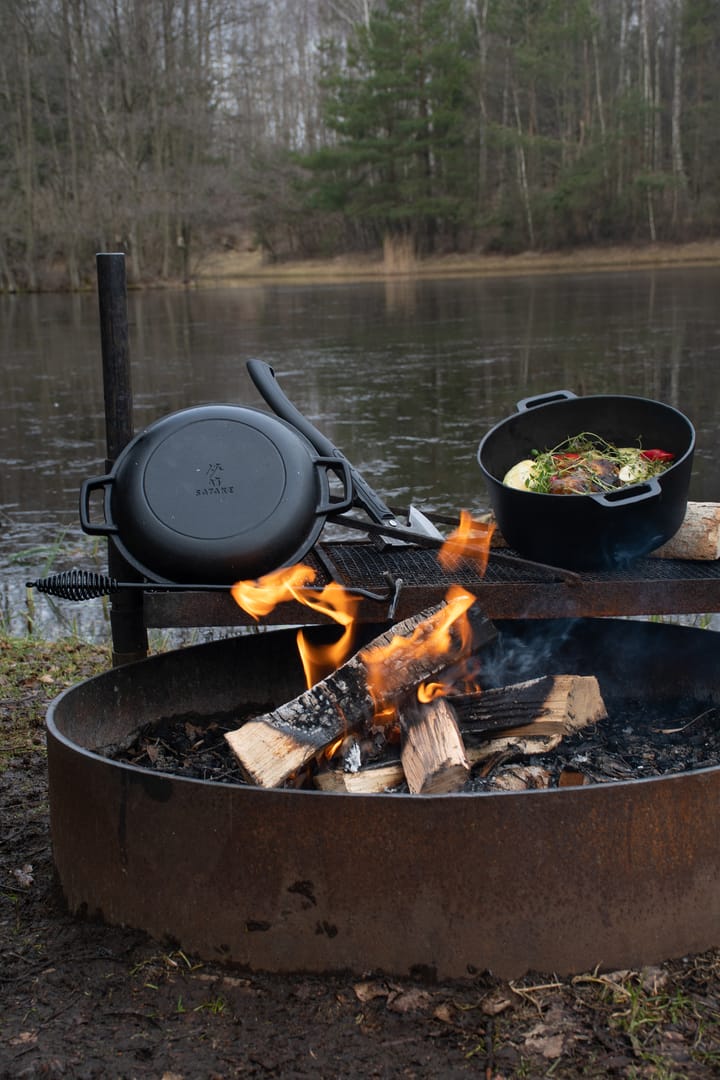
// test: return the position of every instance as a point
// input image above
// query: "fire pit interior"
(613, 874)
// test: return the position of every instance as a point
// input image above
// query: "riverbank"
(236, 267)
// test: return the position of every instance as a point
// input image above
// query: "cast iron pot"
(595, 531)
(216, 494)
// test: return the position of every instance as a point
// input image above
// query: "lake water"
(405, 377)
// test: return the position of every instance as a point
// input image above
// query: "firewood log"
(368, 781)
(433, 755)
(698, 537)
(270, 748)
(538, 714)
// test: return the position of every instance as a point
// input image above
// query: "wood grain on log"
(698, 537)
(368, 781)
(553, 706)
(433, 755)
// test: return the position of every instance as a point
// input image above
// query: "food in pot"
(585, 464)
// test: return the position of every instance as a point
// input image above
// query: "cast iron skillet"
(596, 531)
(218, 494)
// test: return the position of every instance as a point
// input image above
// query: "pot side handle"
(544, 399)
(633, 493)
(95, 484)
(343, 471)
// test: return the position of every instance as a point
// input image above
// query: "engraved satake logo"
(214, 482)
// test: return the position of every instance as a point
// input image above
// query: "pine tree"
(398, 106)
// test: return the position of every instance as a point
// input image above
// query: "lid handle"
(96, 483)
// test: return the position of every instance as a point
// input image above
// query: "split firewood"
(367, 781)
(433, 754)
(521, 778)
(539, 714)
(270, 748)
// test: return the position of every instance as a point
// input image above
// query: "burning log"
(433, 754)
(270, 748)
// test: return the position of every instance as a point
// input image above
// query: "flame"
(470, 540)
(259, 597)
(444, 637)
(337, 604)
(428, 691)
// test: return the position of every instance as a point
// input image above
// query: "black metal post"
(127, 625)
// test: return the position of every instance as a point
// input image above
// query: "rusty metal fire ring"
(611, 875)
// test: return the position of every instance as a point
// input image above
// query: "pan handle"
(544, 399)
(264, 378)
(342, 470)
(95, 484)
(626, 496)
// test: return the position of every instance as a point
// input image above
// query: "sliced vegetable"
(657, 455)
(521, 476)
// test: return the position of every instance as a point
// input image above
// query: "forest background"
(306, 129)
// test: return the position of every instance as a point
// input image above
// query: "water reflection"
(404, 376)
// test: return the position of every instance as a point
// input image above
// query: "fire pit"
(612, 875)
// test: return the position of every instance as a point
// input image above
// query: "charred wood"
(538, 714)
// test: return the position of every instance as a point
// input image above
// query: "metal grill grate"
(366, 566)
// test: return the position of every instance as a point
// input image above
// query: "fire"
(471, 540)
(428, 691)
(261, 596)
(291, 583)
(450, 635)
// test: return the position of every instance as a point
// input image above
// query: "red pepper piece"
(657, 455)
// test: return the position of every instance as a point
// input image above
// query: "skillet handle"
(626, 496)
(343, 471)
(544, 399)
(95, 484)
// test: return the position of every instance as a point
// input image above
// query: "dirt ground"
(82, 1000)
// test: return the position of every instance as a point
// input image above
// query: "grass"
(31, 674)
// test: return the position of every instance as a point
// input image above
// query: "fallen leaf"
(409, 1001)
(445, 1013)
(367, 991)
(24, 1038)
(495, 1004)
(654, 979)
(551, 1046)
(24, 875)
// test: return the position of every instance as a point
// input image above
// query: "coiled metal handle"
(76, 585)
